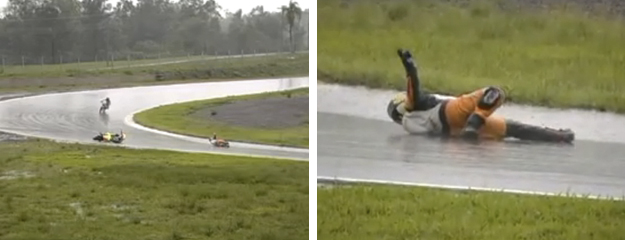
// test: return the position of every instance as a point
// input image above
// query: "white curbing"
(342, 180)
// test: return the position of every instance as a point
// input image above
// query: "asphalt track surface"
(74, 116)
(356, 142)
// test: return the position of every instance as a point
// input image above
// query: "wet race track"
(356, 140)
(74, 116)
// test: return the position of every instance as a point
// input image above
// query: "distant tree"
(291, 12)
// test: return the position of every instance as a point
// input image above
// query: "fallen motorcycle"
(110, 137)
(221, 143)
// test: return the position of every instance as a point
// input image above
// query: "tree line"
(58, 31)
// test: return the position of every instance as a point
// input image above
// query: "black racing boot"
(471, 130)
(534, 133)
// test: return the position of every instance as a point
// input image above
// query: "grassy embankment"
(73, 77)
(398, 212)
(558, 58)
(182, 118)
(69, 191)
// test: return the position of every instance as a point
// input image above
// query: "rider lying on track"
(469, 116)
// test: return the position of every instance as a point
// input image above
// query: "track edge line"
(343, 180)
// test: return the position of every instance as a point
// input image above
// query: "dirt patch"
(276, 112)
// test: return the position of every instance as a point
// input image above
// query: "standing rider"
(469, 116)
(106, 102)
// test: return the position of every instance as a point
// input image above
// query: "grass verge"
(182, 118)
(398, 212)
(558, 57)
(202, 70)
(93, 192)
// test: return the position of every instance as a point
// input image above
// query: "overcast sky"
(234, 5)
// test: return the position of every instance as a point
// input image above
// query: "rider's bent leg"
(488, 101)
(495, 128)
(473, 109)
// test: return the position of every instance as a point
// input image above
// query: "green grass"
(95, 192)
(397, 212)
(558, 58)
(267, 66)
(133, 66)
(206, 70)
(178, 118)
(18, 69)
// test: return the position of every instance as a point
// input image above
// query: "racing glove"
(408, 63)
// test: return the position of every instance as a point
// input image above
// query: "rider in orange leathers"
(469, 116)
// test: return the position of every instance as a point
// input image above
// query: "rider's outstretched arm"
(413, 86)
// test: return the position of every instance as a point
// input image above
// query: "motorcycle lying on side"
(221, 143)
(110, 137)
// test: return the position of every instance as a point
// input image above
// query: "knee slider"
(491, 98)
